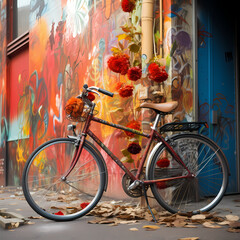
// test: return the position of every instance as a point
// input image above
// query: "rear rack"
(185, 126)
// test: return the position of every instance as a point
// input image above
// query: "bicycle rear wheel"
(196, 194)
(63, 199)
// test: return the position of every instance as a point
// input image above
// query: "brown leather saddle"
(163, 108)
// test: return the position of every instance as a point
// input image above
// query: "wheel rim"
(199, 193)
(55, 198)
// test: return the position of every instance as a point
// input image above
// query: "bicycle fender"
(90, 145)
(150, 157)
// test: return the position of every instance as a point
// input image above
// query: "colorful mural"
(3, 125)
(178, 50)
(70, 44)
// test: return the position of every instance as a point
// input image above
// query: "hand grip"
(105, 92)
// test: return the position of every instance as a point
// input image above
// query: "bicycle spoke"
(200, 192)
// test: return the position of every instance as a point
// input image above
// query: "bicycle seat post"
(157, 119)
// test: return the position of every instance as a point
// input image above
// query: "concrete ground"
(13, 201)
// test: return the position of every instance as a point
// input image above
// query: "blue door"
(216, 79)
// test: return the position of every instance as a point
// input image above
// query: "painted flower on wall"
(76, 16)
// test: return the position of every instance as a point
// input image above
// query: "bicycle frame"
(154, 135)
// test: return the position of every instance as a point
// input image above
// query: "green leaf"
(134, 48)
(136, 63)
(127, 160)
(125, 153)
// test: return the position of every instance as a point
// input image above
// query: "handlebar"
(110, 94)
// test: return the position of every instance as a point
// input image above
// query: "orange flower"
(74, 107)
(134, 125)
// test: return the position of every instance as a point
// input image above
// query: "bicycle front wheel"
(54, 197)
(196, 194)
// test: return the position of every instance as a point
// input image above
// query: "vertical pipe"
(147, 29)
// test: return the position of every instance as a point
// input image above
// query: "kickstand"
(146, 198)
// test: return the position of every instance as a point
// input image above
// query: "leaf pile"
(114, 214)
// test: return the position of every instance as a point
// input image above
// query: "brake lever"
(90, 90)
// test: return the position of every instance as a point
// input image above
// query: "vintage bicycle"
(65, 178)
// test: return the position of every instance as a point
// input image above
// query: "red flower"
(134, 125)
(128, 5)
(163, 163)
(84, 204)
(126, 91)
(157, 73)
(119, 63)
(59, 213)
(134, 148)
(91, 96)
(161, 185)
(134, 73)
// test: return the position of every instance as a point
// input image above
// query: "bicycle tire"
(63, 200)
(204, 159)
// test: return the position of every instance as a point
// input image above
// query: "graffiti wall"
(3, 125)
(71, 42)
(178, 52)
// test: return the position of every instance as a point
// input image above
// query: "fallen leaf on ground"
(30, 223)
(233, 230)
(198, 217)
(151, 227)
(179, 223)
(232, 218)
(210, 225)
(189, 238)
(133, 229)
(190, 226)
(36, 217)
(224, 223)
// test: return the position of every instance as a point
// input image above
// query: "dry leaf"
(235, 225)
(133, 229)
(233, 230)
(190, 226)
(30, 223)
(189, 238)
(198, 217)
(151, 227)
(232, 218)
(224, 223)
(210, 225)
(179, 223)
